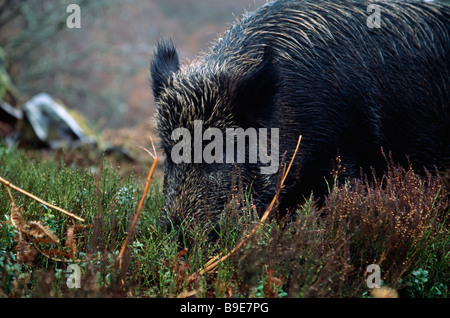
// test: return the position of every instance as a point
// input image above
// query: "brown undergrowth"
(325, 252)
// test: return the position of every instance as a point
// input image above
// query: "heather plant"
(391, 222)
(399, 222)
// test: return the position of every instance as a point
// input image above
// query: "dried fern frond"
(39, 231)
(35, 229)
(16, 217)
(70, 241)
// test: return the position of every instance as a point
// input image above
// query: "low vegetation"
(399, 222)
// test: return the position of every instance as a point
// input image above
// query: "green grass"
(401, 223)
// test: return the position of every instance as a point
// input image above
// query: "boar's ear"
(253, 95)
(165, 61)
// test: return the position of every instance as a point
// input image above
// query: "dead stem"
(141, 203)
(211, 265)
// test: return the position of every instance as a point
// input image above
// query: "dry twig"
(141, 203)
(12, 186)
(213, 264)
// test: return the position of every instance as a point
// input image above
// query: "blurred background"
(99, 72)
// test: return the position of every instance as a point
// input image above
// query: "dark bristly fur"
(311, 68)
